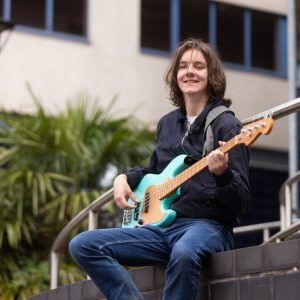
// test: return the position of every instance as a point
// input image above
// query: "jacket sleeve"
(232, 187)
(135, 175)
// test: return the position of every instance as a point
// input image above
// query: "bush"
(51, 168)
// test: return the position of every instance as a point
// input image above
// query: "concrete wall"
(110, 63)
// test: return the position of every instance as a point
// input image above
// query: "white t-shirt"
(190, 120)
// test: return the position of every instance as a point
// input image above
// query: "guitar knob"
(140, 222)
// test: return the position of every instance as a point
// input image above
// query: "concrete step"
(268, 272)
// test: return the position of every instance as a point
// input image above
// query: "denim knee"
(75, 246)
(184, 256)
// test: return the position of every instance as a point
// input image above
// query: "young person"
(208, 205)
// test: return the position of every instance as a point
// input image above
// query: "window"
(263, 40)
(29, 13)
(246, 39)
(230, 33)
(70, 20)
(155, 20)
(50, 15)
(194, 19)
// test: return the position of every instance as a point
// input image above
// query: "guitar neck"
(171, 185)
(247, 136)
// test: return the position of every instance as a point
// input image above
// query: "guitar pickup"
(147, 202)
(136, 212)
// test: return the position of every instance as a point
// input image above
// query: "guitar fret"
(168, 186)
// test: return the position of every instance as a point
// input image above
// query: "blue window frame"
(258, 44)
(67, 18)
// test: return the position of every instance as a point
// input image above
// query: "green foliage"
(30, 277)
(51, 168)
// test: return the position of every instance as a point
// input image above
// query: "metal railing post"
(61, 240)
(288, 206)
(93, 219)
(282, 216)
(266, 234)
(54, 269)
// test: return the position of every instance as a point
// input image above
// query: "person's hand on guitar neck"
(122, 192)
(217, 161)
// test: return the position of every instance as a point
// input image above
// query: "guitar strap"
(208, 130)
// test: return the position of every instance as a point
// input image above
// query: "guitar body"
(153, 210)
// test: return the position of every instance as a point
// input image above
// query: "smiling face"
(192, 75)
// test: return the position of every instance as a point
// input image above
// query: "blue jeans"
(182, 246)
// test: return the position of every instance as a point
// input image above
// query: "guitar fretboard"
(171, 185)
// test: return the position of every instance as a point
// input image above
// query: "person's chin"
(192, 91)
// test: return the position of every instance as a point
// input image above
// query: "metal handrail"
(281, 235)
(285, 199)
(276, 112)
(264, 227)
(91, 211)
(288, 226)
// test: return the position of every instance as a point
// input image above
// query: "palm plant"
(53, 167)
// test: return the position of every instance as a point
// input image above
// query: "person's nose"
(190, 70)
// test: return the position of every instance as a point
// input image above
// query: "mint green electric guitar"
(156, 192)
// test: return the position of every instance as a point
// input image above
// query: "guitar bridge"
(126, 217)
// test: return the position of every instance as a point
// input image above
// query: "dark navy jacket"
(221, 198)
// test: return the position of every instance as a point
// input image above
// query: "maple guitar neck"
(247, 136)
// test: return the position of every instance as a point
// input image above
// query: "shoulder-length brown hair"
(216, 77)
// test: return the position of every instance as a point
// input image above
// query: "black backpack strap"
(208, 131)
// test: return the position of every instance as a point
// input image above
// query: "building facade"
(111, 48)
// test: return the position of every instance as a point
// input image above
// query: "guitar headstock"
(252, 131)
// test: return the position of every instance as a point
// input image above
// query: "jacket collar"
(181, 116)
